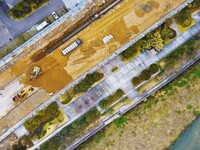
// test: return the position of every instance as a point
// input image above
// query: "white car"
(55, 15)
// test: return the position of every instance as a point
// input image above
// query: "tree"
(154, 41)
(135, 81)
(92, 115)
(145, 75)
(19, 146)
(153, 69)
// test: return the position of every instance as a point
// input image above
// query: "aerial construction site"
(43, 69)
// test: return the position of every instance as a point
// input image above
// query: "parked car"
(55, 15)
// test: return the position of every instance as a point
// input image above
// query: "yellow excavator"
(35, 73)
(20, 96)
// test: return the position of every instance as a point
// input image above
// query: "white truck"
(72, 46)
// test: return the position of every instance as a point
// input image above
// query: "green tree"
(154, 41)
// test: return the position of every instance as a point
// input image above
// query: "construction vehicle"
(72, 46)
(35, 73)
(20, 96)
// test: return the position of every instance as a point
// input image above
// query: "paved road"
(18, 27)
(4, 34)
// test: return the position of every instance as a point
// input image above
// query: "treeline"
(111, 99)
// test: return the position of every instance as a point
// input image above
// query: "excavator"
(35, 73)
(20, 96)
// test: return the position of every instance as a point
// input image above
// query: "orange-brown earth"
(124, 23)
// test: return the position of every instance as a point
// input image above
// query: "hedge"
(145, 74)
(24, 8)
(111, 99)
(83, 86)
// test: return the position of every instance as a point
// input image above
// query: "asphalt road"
(18, 27)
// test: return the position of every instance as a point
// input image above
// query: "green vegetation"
(19, 146)
(187, 49)
(132, 51)
(180, 112)
(46, 117)
(114, 69)
(189, 106)
(184, 18)
(87, 82)
(111, 99)
(142, 117)
(24, 8)
(156, 39)
(119, 122)
(145, 75)
(18, 41)
(153, 40)
(119, 104)
(81, 87)
(72, 131)
(26, 141)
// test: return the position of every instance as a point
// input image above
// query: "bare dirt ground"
(58, 70)
(152, 127)
(8, 142)
(23, 109)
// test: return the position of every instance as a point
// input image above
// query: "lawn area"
(81, 87)
(159, 119)
(25, 8)
(111, 99)
(43, 120)
(145, 75)
(72, 131)
(184, 18)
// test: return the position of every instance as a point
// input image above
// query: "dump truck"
(35, 73)
(20, 96)
(72, 46)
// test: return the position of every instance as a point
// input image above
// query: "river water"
(190, 138)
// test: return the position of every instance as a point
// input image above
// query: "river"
(189, 139)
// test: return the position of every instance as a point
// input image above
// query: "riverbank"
(156, 123)
(189, 138)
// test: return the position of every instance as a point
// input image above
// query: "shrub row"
(145, 74)
(83, 86)
(111, 99)
(25, 8)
